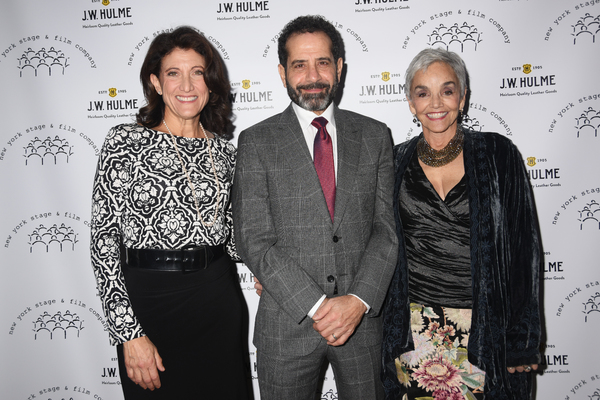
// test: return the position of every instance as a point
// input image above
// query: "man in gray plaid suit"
(313, 219)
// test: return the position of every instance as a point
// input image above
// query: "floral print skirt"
(438, 368)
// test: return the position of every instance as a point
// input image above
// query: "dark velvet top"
(436, 235)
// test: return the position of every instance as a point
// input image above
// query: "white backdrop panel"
(533, 72)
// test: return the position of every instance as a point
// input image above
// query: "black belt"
(190, 258)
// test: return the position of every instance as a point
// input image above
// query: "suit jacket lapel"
(293, 145)
(349, 139)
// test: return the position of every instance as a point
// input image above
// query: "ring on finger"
(527, 368)
(335, 337)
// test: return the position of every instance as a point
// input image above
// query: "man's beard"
(313, 102)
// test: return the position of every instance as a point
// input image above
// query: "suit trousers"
(356, 370)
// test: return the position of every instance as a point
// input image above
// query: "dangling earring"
(416, 121)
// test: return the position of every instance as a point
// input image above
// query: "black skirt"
(198, 322)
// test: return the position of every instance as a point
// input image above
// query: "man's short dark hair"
(310, 24)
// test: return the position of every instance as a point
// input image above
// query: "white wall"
(62, 108)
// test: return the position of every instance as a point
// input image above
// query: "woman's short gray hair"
(426, 57)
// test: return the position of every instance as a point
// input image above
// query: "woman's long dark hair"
(216, 115)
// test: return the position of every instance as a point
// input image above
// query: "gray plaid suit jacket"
(285, 235)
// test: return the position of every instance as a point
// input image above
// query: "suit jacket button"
(335, 239)
(330, 278)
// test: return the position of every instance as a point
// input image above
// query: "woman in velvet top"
(462, 316)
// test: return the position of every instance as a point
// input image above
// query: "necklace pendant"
(191, 184)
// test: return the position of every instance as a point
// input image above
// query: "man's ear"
(281, 70)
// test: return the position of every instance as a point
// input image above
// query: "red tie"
(323, 149)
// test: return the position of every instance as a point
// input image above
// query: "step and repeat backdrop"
(70, 70)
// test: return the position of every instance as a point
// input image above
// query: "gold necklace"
(438, 158)
(212, 162)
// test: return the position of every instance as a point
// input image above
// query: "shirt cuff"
(314, 309)
(366, 305)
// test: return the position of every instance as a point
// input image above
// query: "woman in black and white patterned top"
(161, 226)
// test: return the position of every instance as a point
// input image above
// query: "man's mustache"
(316, 85)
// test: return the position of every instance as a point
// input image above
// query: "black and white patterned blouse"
(142, 197)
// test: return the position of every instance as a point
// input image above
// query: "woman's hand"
(143, 362)
(258, 286)
(522, 368)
